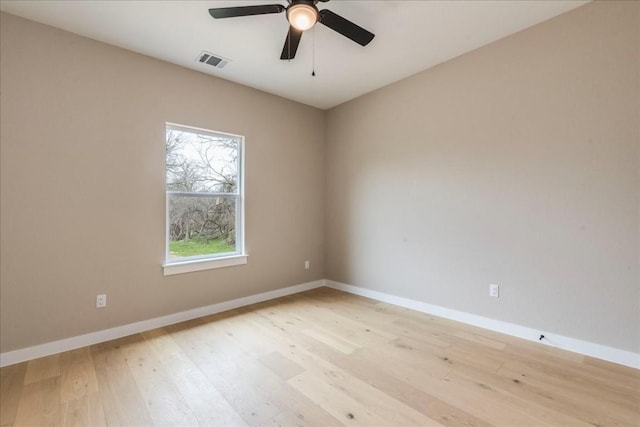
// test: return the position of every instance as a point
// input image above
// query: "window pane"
(201, 225)
(201, 161)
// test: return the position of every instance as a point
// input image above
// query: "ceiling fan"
(302, 15)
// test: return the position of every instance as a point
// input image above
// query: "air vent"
(213, 59)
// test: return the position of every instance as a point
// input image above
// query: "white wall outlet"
(101, 301)
(494, 290)
(306, 265)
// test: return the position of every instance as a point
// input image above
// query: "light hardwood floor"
(322, 358)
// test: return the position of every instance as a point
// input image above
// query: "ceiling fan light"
(302, 16)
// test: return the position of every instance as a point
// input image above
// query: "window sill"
(203, 264)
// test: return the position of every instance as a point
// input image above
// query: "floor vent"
(212, 59)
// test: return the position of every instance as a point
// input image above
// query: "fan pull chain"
(313, 61)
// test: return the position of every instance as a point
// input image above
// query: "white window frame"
(209, 261)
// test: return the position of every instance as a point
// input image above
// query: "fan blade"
(345, 27)
(232, 12)
(291, 43)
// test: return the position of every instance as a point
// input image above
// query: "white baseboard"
(598, 351)
(29, 353)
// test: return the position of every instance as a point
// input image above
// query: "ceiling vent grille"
(212, 59)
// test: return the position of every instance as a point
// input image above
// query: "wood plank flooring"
(320, 358)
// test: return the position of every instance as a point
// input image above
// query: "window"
(204, 199)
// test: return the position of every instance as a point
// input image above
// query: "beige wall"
(82, 185)
(516, 164)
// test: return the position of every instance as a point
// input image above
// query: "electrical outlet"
(494, 290)
(101, 301)
(306, 265)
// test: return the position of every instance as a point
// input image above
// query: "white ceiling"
(410, 36)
